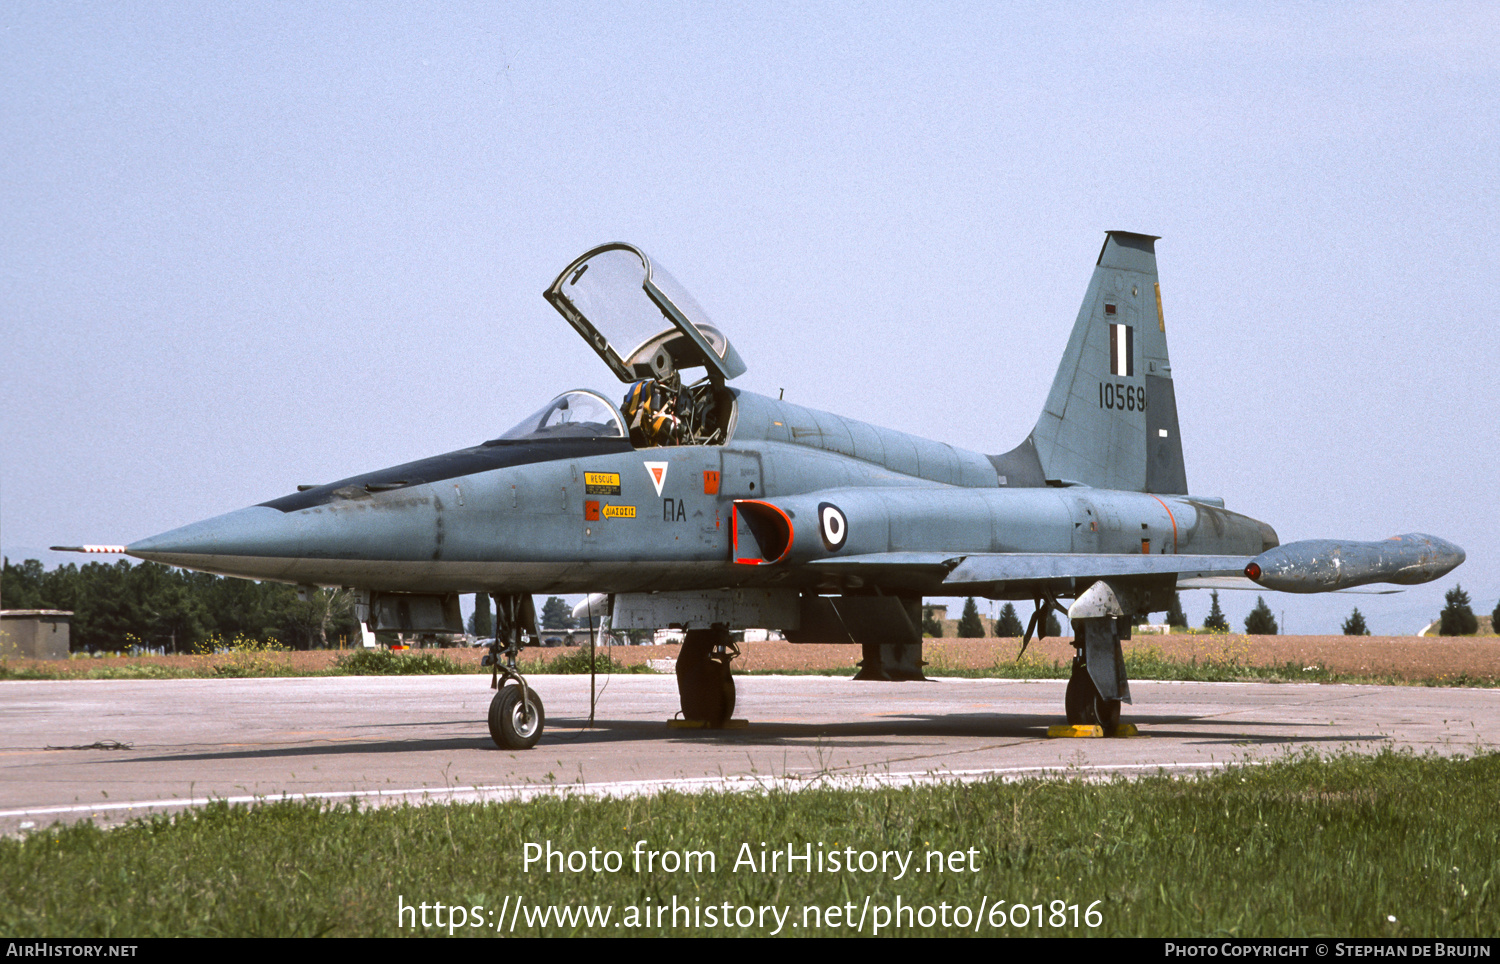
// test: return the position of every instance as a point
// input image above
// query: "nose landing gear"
(516, 716)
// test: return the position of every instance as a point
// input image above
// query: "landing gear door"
(638, 318)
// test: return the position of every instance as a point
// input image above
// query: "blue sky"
(258, 245)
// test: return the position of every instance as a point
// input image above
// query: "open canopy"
(638, 318)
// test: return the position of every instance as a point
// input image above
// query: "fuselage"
(599, 515)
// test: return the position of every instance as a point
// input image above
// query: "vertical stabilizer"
(1111, 418)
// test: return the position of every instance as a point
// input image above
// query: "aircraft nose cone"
(329, 546)
(250, 531)
(257, 543)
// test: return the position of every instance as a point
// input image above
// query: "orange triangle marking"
(658, 473)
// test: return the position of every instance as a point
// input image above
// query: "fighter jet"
(695, 504)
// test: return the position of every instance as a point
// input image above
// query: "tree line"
(116, 606)
(1456, 619)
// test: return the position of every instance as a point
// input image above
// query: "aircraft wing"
(1006, 567)
(972, 571)
(975, 569)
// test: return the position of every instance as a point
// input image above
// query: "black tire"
(1084, 705)
(513, 727)
(1080, 697)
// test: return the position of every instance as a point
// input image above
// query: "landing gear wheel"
(1084, 705)
(514, 726)
(703, 680)
(1079, 699)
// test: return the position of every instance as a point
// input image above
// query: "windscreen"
(577, 414)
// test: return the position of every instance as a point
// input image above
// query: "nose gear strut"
(516, 716)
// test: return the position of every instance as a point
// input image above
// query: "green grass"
(1150, 663)
(577, 661)
(252, 662)
(1302, 846)
(385, 662)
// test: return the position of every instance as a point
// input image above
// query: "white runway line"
(504, 793)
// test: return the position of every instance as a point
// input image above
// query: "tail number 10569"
(1127, 397)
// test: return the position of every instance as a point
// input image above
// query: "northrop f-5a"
(691, 503)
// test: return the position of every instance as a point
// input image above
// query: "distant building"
(35, 633)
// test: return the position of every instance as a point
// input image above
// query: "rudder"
(1111, 417)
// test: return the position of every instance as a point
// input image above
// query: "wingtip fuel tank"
(1326, 565)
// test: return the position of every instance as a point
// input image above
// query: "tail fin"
(1111, 418)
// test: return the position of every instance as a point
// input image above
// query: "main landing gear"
(1097, 686)
(1085, 707)
(703, 680)
(516, 715)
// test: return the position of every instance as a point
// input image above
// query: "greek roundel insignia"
(832, 526)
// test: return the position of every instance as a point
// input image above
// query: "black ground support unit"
(703, 681)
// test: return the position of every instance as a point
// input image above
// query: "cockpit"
(654, 412)
(617, 298)
(663, 411)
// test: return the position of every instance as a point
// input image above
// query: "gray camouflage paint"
(1097, 490)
